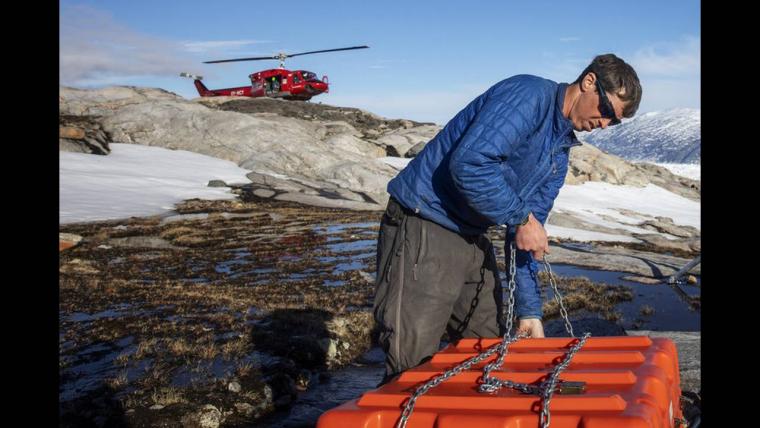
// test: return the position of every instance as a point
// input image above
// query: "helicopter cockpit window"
(308, 75)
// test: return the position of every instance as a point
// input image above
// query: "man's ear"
(588, 83)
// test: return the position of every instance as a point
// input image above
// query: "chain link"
(491, 384)
(511, 289)
(548, 387)
(558, 297)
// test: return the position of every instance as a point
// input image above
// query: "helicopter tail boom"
(202, 89)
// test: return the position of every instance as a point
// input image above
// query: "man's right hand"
(532, 237)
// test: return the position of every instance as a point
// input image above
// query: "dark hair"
(615, 75)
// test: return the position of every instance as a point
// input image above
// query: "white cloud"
(219, 45)
(669, 59)
(95, 49)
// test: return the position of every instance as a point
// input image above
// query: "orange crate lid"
(631, 381)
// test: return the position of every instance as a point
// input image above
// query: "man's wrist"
(525, 220)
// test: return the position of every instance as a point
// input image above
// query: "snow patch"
(395, 162)
(597, 203)
(693, 171)
(137, 180)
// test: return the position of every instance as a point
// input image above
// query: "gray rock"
(65, 145)
(69, 238)
(140, 242)
(688, 344)
(329, 347)
(264, 193)
(562, 219)
(399, 141)
(182, 217)
(612, 258)
(669, 244)
(370, 278)
(415, 149)
(217, 183)
(157, 407)
(588, 163)
(267, 394)
(642, 279)
(82, 134)
(105, 101)
(665, 225)
(245, 408)
(207, 417)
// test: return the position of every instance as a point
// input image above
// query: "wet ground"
(259, 309)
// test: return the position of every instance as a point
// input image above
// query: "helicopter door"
(257, 88)
(273, 84)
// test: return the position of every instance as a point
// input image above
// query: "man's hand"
(532, 237)
(533, 326)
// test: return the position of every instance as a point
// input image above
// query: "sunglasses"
(605, 106)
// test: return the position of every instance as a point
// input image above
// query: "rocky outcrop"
(588, 163)
(689, 345)
(677, 184)
(82, 134)
(400, 141)
(330, 162)
(616, 257)
(265, 186)
(105, 101)
(368, 124)
(666, 225)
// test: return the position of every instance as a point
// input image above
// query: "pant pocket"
(421, 250)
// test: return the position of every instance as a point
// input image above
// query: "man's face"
(589, 112)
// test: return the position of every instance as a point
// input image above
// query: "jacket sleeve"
(494, 134)
(527, 292)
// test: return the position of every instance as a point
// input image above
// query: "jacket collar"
(561, 124)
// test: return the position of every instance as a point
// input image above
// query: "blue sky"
(426, 60)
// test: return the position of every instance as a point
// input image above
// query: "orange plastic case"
(631, 381)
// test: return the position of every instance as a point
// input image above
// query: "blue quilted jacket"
(504, 155)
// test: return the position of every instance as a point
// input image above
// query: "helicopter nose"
(319, 86)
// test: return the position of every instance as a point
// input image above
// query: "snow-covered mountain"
(671, 136)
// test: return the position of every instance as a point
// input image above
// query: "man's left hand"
(533, 326)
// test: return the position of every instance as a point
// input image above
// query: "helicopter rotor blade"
(286, 56)
(241, 59)
(329, 50)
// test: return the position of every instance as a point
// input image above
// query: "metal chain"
(492, 384)
(548, 387)
(511, 289)
(448, 374)
(558, 297)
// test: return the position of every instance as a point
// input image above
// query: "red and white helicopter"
(275, 82)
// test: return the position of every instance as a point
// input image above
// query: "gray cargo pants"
(431, 279)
